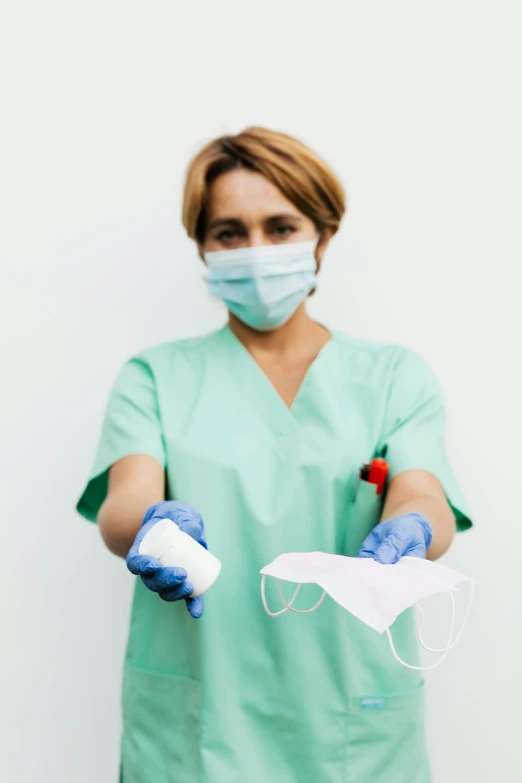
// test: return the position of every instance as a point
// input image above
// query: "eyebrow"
(270, 219)
(284, 216)
(225, 222)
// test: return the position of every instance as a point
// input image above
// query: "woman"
(260, 429)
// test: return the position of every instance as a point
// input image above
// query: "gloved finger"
(165, 579)
(180, 512)
(195, 606)
(176, 593)
(142, 565)
(389, 552)
(416, 549)
(193, 528)
(151, 512)
(370, 545)
(137, 563)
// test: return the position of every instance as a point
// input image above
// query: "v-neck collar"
(254, 383)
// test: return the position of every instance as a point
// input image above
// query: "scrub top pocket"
(386, 739)
(363, 514)
(161, 731)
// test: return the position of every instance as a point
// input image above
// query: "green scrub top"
(238, 696)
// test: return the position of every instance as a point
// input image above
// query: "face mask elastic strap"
(265, 605)
(286, 607)
(289, 605)
(446, 649)
(464, 621)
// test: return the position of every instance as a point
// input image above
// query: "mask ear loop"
(464, 621)
(265, 605)
(446, 649)
(287, 606)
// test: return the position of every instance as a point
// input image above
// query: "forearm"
(439, 515)
(135, 483)
(120, 518)
(421, 492)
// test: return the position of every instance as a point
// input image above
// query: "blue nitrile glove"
(170, 583)
(409, 535)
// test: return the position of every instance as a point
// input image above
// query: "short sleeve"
(414, 429)
(132, 425)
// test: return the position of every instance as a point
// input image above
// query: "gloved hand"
(170, 583)
(410, 534)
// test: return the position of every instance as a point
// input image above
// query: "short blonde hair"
(302, 177)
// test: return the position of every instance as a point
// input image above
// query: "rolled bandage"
(175, 549)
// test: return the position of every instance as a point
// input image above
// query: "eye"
(227, 235)
(283, 231)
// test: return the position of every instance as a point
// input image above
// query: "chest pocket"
(363, 514)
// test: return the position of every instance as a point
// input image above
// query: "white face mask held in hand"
(376, 594)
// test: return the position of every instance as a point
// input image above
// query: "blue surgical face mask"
(264, 285)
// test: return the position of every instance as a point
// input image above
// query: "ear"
(325, 236)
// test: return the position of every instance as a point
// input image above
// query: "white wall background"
(418, 107)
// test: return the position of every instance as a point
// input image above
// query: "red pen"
(378, 473)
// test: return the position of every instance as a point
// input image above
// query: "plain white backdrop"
(417, 106)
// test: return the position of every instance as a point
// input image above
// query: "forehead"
(245, 195)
